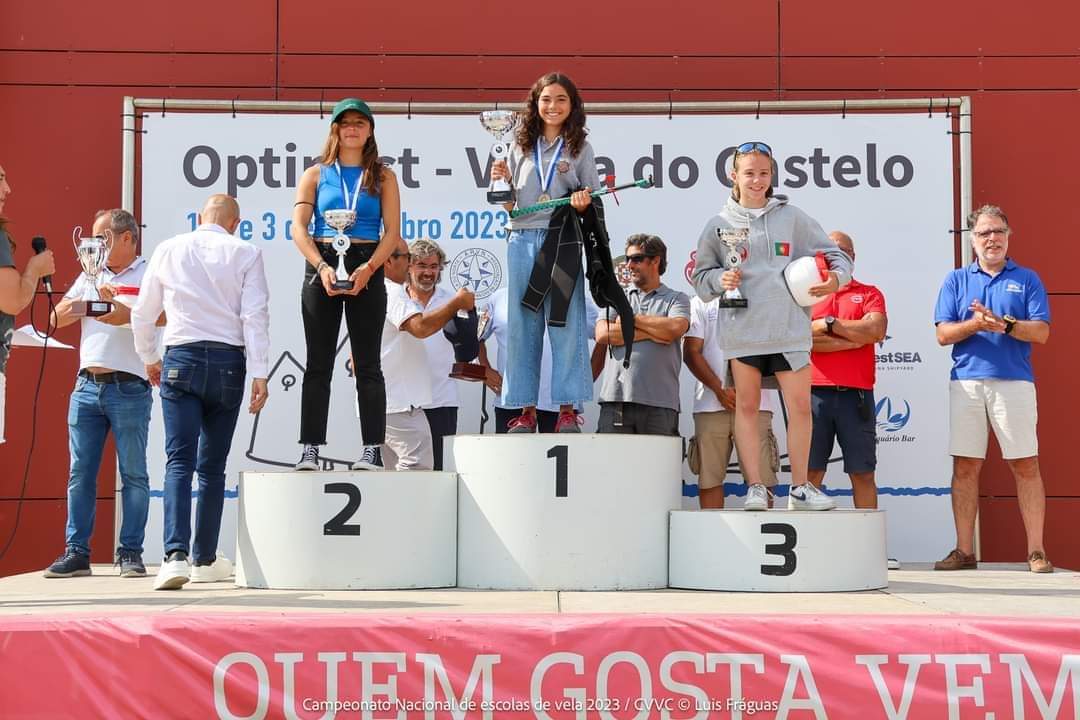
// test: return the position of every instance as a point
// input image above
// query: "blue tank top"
(329, 196)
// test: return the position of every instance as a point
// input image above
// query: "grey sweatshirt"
(773, 322)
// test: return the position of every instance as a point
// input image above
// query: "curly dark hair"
(532, 125)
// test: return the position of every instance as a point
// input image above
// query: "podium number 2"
(783, 549)
(559, 452)
(339, 524)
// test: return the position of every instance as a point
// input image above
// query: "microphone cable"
(50, 331)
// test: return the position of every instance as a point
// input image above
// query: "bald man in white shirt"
(212, 287)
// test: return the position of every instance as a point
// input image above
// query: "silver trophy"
(735, 242)
(341, 220)
(499, 123)
(93, 254)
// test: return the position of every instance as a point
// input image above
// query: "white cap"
(804, 273)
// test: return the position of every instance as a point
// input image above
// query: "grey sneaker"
(130, 562)
(757, 498)
(309, 458)
(808, 497)
(71, 564)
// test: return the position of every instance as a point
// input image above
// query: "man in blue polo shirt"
(991, 312)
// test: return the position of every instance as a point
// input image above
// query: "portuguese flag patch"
(782, 249)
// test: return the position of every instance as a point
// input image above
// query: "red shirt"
(850, 368)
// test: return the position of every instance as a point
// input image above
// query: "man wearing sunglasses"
(644, 398)
(991, 312)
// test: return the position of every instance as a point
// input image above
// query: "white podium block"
(565, 511)
(347, 530)
(778, 550)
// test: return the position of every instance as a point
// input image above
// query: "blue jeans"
(94, 409)
(571, 375)
(201, 391)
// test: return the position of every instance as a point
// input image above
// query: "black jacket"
(555, 268)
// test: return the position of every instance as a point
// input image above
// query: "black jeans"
(443, 422)
(364, 317)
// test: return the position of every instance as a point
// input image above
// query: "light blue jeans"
(94, 410)
(571, 375)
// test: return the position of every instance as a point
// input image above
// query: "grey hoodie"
(773, 322)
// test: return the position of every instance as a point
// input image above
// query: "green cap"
(352, 104)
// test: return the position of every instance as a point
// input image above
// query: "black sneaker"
(309, 458)
(70, 564)
(370, 459)
(130, 562)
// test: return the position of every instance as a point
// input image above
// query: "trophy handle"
(76, 237)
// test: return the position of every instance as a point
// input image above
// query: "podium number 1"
(559, 452)
(339, 524)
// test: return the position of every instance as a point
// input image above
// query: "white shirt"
(404, 357)
(440, 358)
(104, 345)
(703, 319)
(498, 326)
(212, 287)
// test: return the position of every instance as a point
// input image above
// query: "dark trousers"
(545, 420)
(443, 422)
(202, 388)
(364, 317)
(637, 419)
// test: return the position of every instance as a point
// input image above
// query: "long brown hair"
(532, 125)
(369, 160)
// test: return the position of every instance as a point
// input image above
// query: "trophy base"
(739, 302)
(468, 371)
(91, 308)
(342, 285)
(499, 197)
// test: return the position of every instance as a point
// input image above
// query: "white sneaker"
(808, 497)
(757, 498)
(220, 569)
(173, 574)
(894, 564)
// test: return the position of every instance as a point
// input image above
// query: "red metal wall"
(65, 67)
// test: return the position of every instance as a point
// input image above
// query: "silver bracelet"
(322, 264)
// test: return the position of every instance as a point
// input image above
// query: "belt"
(116, 376)
(207, 344)
(838, 388)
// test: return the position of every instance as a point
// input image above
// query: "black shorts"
(767, 365)
(846, 415)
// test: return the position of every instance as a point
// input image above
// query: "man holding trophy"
(111, 393)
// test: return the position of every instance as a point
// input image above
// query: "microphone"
(38, 243)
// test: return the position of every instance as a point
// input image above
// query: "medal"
(546, 175)
(544, 197)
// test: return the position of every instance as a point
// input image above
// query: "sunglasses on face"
(749, 147)
(631, 259)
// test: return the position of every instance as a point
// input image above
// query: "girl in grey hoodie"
(767, 343)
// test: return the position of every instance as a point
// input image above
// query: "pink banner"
(564, 667)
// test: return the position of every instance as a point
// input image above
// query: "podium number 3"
(339, 524)
(559, 452)
(785, 549)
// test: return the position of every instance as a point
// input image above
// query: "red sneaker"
(569, 422)
(522, 424)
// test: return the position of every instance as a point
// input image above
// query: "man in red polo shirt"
(845, 327)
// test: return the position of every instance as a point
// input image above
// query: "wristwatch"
(1010, 323)
(829, 320)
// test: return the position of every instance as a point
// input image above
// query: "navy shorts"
(846, 415)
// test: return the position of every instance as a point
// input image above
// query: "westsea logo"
(896, 359)
(478, 270)
(891, 419)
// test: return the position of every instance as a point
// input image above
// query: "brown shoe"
(1038, 563)
(956, 560)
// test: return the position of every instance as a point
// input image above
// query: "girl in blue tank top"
(349, 176)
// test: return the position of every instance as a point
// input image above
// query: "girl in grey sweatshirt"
(769, 341)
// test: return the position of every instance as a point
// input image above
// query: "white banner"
(884, 179)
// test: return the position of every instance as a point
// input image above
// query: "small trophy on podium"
(735, 241)
(93, 254)
(499, 123)
(341, 220)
